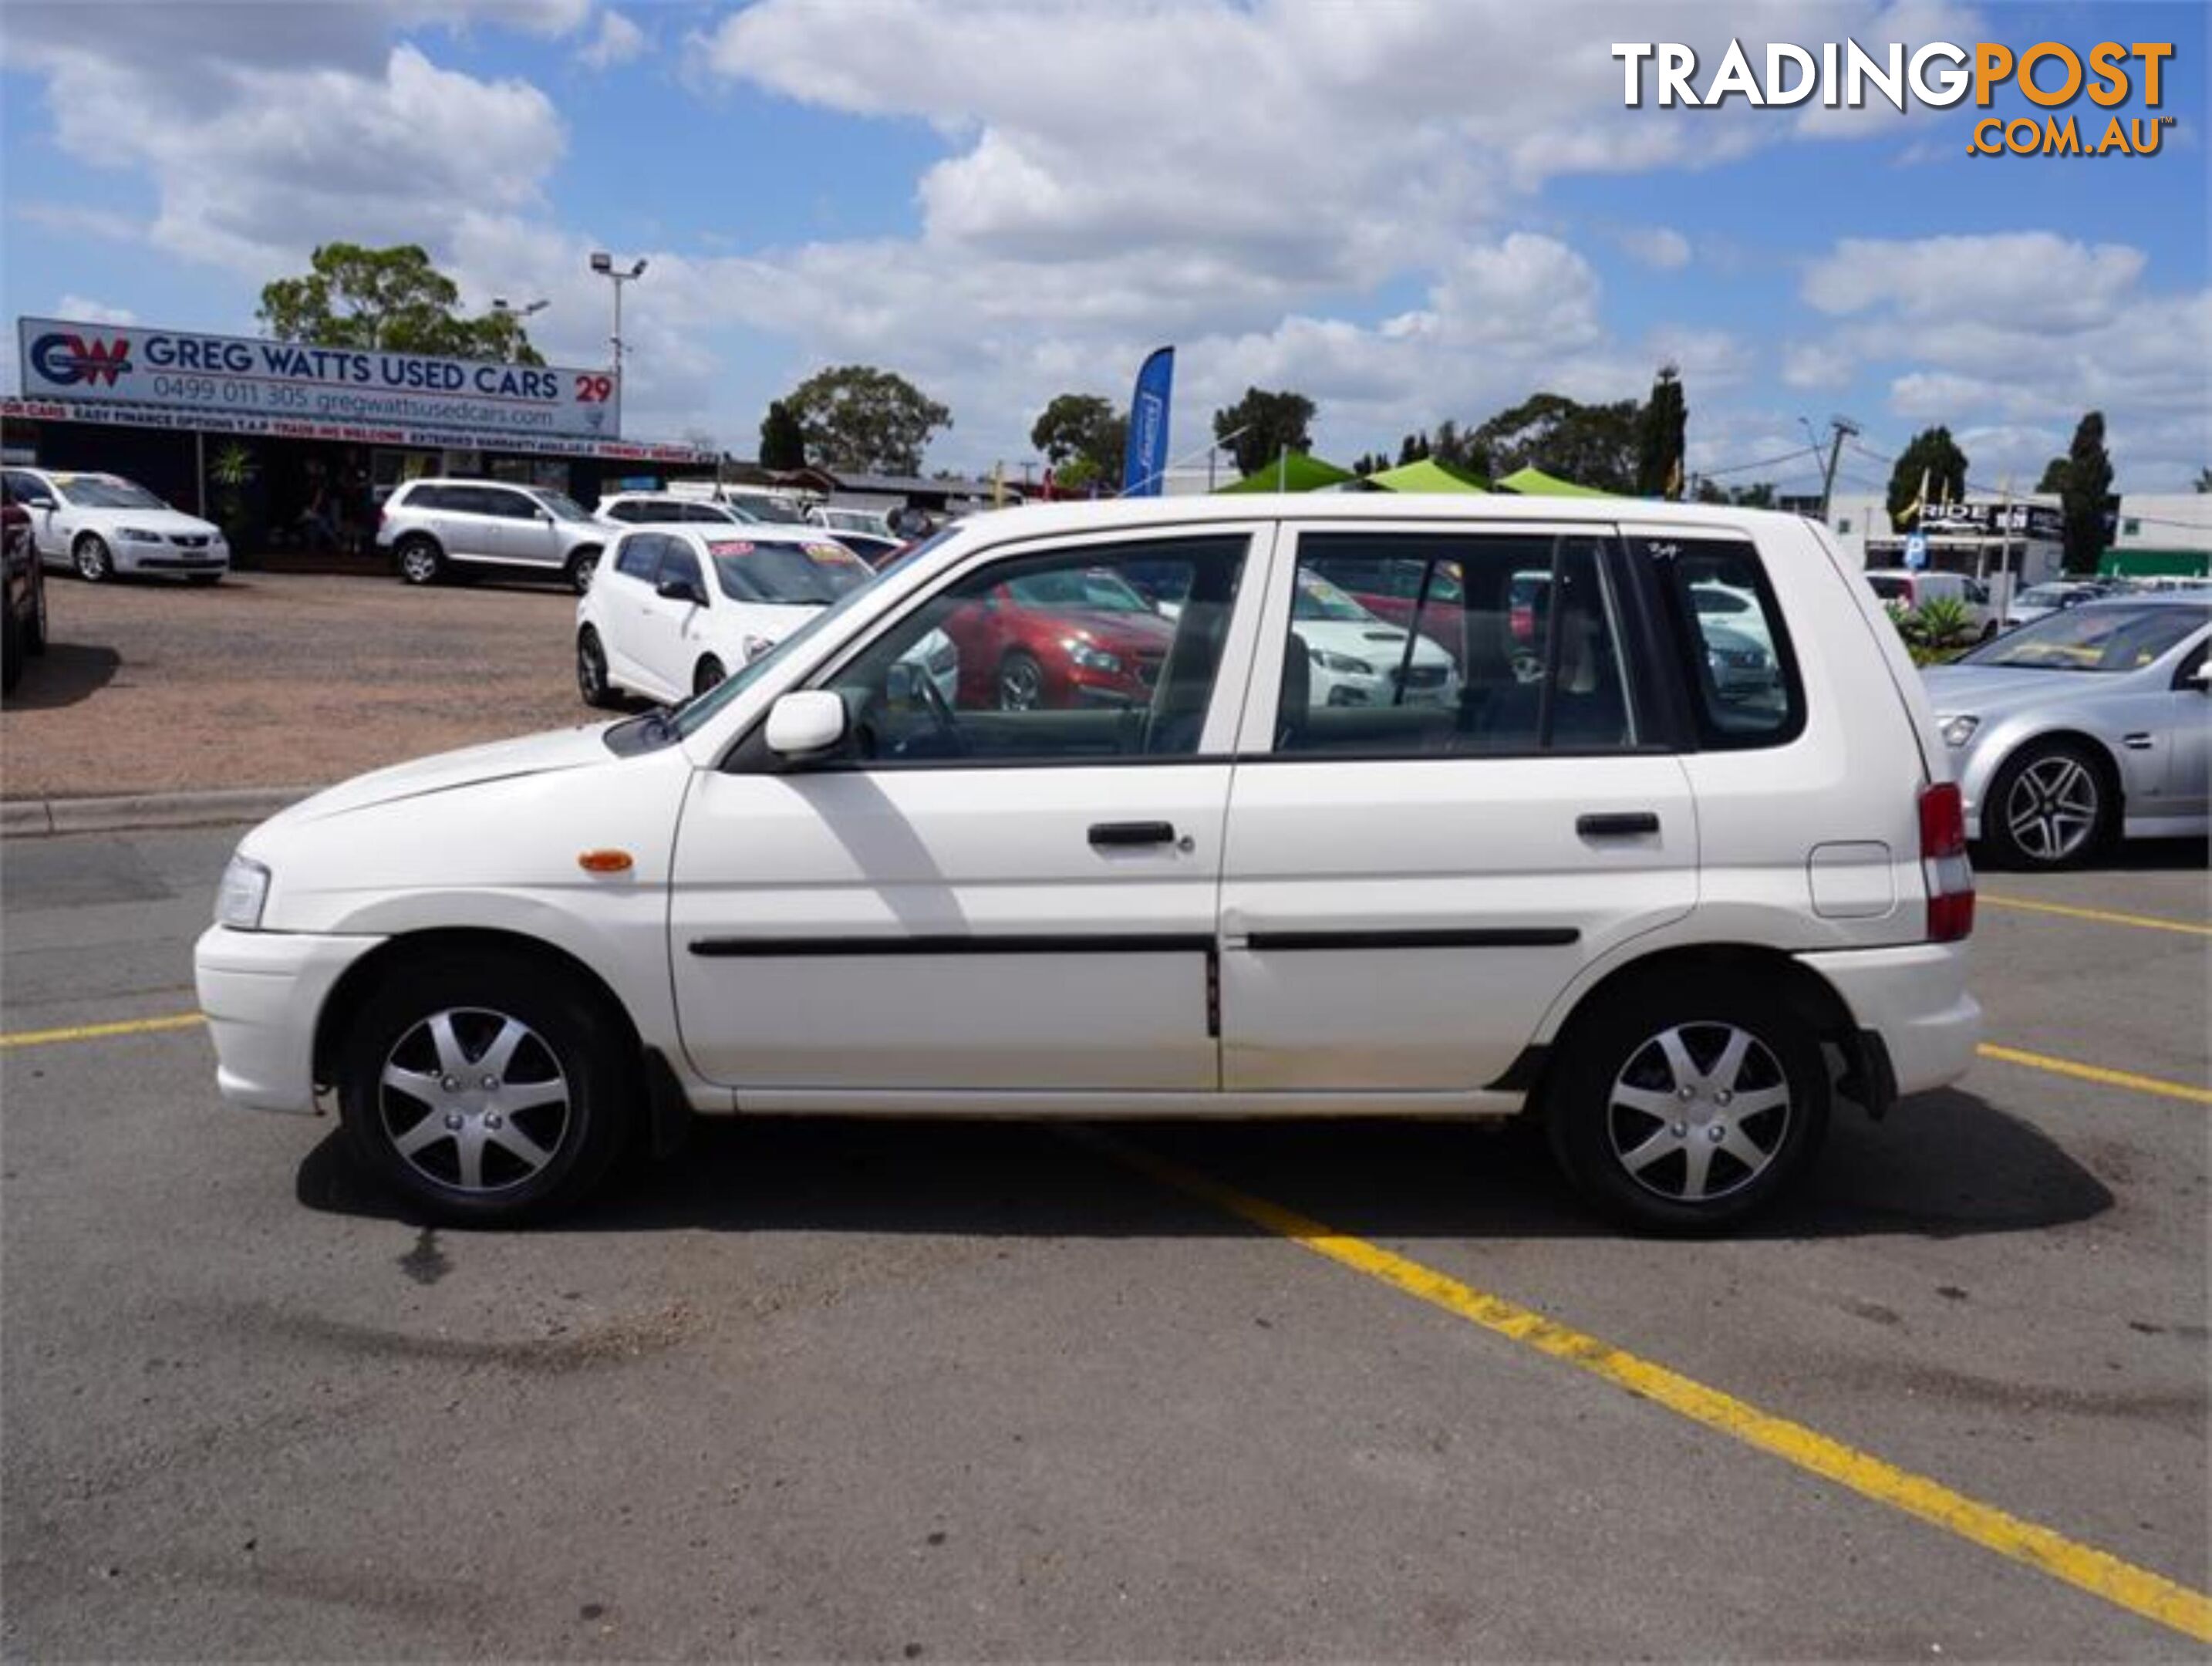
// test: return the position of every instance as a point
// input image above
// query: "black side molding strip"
(1505, 937)
(731, 948)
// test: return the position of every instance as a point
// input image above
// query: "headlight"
(139, 535)
(239, 898)
(1957, 731)
(1093, 659)
(1342, 664)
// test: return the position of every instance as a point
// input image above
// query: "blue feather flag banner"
(1145, 457)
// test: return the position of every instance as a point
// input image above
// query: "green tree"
(1708, 490)
(861, 419)
(1934, 457)
(1412, 449)
(2054, 476)
(2081, 499)
(1758, 496)
(781, 445)
(1370, 463)
(1593, 446)
(2205, 480)
(1661, 431)
(1271, 424)
(390, 299)
(1457, 449)
(1081, 429)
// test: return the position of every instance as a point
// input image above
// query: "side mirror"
(2201, 679)
(806, 723)
(680, 590)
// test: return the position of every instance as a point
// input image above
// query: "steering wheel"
(941, 715)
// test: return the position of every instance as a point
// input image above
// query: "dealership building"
(257, 433)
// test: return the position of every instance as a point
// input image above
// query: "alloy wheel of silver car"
(94, 562)
(2054, 807)
(474, 1100)
(1700, 1111)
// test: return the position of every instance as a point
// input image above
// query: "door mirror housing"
(806, 723)
(680, 590)
(2201, 679)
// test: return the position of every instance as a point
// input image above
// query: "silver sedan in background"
(2087, 724)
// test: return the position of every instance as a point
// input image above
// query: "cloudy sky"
(1408, 209)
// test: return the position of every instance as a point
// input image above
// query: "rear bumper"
(263, 992)
(1915, 999)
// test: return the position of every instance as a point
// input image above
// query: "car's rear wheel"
(581, 566)
(592, 669)
(1687, 1105)
(11, 646)
(1021, 682)
(483, 1088)
(420, 561)
(2050, 806)
(34, 628)
(94, 561)
(708, 673)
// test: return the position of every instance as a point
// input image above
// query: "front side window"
(1055, 658)
(1735, 651)
(679, 563)
(1405, 643)
(507, 506)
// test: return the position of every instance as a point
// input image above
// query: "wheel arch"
(2112, 772)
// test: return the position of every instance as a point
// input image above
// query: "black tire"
(11, 646)
(708, 673)
(420, 560)
(35, 628)
(1018, 683)
(569, 1049)
(592, 670)
(581, 566)
(2051, 806)
(203, 579)
(1707, 1164)
(92, 560)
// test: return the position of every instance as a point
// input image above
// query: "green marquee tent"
(1426, 475)
(1294, 471)
(1535, 483)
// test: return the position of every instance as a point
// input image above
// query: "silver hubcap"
(91, 559)
(1020, 686)
(2053, 809)
(418, 565)
(1699, 1112)
(579, 574)
(474, 1100)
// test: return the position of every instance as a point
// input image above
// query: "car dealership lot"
(940, 1390)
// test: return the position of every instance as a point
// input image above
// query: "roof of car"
(1369, 506)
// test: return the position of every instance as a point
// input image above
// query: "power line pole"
(1841, 428)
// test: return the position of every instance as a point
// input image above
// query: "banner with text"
(239, 376)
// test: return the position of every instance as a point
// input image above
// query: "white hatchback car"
(1670, 919)
(99, 524)
(676, 608)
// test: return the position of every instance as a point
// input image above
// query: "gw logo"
(67, 360)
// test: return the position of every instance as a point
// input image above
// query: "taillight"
(1943, 862)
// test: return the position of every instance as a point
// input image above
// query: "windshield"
(94, 492)
(789, 574)
(564, 507)
(2107, 638)
(698, 711)
(1317, 598)
(1098, 589)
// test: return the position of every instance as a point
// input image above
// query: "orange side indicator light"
(605, 861)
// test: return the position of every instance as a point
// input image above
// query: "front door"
(986, 894)
(1426, 846)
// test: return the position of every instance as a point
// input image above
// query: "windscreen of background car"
(2093, 638)
(787, 574)
(88, 493)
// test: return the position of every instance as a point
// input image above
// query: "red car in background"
(1056, 640)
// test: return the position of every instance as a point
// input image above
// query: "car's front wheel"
(1021, 682)
(1685, 1105)
(483, 1088)
(592, 669)
(94, 561)
(581, 567)
(709, 672)
(2049, 808)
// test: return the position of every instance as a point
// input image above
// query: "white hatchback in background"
(676, 608)
(99, 524)
(1671, 915)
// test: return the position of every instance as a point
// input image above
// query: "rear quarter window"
(1732, 644)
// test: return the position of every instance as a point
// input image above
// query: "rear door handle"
(1116, 834)
(1624, 825)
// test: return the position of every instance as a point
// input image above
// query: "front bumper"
(263, 992)
(1915, 999)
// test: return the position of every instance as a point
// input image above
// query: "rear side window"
(1744, 690)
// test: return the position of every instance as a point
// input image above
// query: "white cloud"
(1660, 248)
(619, 41)
(1816, 364)
(93, 312)
(2035, 279)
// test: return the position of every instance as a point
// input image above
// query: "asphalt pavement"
(936, 1390)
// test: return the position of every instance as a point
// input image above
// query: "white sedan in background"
(1356, 658)
(99, 524)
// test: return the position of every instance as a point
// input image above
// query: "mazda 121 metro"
(1671, 904)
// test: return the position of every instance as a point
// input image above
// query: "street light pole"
(501, 305)
(603, 264)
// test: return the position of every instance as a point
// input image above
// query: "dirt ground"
(278, 680)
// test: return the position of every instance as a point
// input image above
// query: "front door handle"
(1120, 835)
(1624, 825)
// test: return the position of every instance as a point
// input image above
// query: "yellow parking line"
(2097, 1073)
(2147, 921)
(2136, 1590)
(95, 1032)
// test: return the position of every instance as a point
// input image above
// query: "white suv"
(433, 528)
(1669, 915)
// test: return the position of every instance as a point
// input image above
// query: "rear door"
(461, 518)
(1409, 884)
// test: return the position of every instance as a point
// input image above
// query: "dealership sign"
(2034, 520)
(242, 377)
